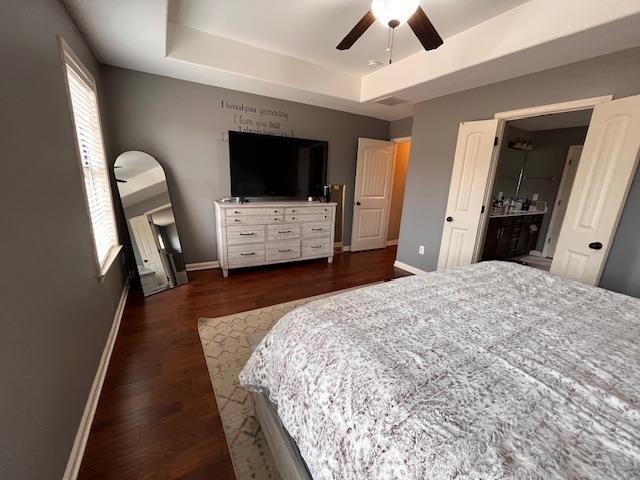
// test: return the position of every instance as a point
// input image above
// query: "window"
(86, 119)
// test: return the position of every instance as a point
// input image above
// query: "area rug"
(226, 350)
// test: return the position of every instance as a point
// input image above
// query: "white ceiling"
(133, 163)
(163, 217)
(579, 118)
(286, 48)
(311, 29)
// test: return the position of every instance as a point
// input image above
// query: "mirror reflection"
(152, 227)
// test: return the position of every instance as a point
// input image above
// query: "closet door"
(372, 196)
(471, 165)
(602, 182)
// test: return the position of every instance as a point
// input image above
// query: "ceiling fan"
(118, 179)
(394, 13)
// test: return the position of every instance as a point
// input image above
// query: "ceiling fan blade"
(120, 181)
(424, 30)
(357, 31)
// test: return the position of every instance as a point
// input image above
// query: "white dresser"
(262, 233)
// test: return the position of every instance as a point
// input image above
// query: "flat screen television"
(273, 166)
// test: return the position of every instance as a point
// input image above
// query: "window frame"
(69, 58)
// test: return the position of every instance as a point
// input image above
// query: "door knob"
(449, 219)
(357, 203)
(595, 245)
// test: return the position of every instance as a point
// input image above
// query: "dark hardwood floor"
(157, 417)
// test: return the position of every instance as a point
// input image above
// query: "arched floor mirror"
(152, 227)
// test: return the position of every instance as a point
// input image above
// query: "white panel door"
(471, 165)
(372, 196)
(562, 200)
(602, 182)
(147, 247)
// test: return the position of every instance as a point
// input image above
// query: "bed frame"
(283, 448)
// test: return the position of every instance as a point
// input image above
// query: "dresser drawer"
(244, 212)
(283, 232)
(245, 255)
(307, 211)
(254, 219)
(300, 218)
(283, 250)
(316, 246)
(237, 235)
(315, 229)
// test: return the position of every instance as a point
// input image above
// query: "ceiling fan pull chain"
(390, 43)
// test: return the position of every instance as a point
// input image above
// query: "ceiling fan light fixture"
(392, 13)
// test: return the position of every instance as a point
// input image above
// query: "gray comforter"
(491, 371)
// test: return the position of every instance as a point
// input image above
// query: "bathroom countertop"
(517, 213)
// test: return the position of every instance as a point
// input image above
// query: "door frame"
(561, 190)
(504, 117)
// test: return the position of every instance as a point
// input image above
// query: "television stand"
(271, 232)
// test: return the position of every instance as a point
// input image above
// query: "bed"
(491, 371)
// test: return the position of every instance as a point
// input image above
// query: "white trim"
(113, 254)
(346, 248)
(408, 268)
(401, 139)
(536, 253)
(80, 442)
(392, 242)
(192, 267)
(570, 106)
(157, 209)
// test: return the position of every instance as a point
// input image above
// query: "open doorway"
(533, 179)
(602, 181)
(400, 167)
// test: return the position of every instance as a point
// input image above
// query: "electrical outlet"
(421, 249)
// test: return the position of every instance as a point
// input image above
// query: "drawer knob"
(316, 246)
(247, 234)
(236, 220)
(285, 251)
(284, 231)
(247, 254)
(317, 229)
(236, 211)
(293, 211)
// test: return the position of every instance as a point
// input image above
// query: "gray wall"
(184, 126)
(400, 128)
(140, 208)
(56, 313)
(435, 128)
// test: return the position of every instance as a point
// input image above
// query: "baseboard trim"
(192, 267)
(80, 442)
(392, 242)
(408, 268)
(346, 248)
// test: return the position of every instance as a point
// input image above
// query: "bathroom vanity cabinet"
(511, 235)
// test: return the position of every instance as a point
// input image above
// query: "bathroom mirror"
(152, 227)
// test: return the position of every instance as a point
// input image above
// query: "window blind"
(86, 116)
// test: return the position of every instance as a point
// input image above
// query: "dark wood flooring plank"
(157, 416)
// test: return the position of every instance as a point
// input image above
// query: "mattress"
(491, 371)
